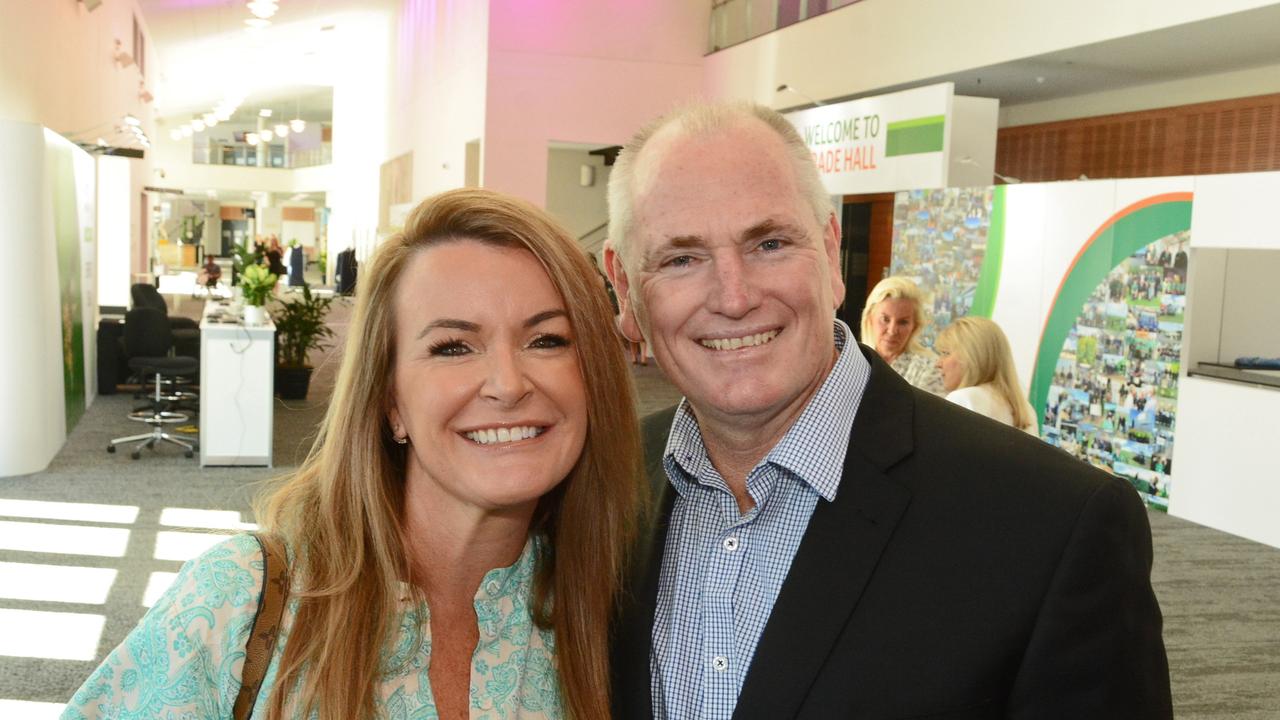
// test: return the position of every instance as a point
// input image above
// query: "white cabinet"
(237, 389)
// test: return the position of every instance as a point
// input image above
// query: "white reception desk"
(237, 389)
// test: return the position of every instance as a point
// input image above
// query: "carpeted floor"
(1220, 594)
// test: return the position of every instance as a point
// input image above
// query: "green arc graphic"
(984, 297)
(1124, 234)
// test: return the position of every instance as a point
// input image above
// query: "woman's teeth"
(739, 342)
(503, 434)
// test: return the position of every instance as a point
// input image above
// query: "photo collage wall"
(940, 241)
(1011, 252)
(1114, 395)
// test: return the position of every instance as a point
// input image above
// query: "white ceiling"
(1230, 42)
(206, 52)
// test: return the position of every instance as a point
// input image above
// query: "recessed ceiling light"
(262, 8)
(264, 112)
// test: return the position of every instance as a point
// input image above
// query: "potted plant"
(242, 256)
(300, 328)
(256, 284)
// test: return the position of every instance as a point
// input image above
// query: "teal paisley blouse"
(183, 660)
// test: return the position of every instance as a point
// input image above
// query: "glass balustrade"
(735, 21)
(229, 148)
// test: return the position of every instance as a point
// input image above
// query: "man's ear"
(831, 243)
(627, 321)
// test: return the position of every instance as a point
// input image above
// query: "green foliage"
(300, 327)
(322, 262)
(243, 256)
(256, 284)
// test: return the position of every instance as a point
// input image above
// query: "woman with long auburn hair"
(458, 533)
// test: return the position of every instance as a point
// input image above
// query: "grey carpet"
(1218, 592)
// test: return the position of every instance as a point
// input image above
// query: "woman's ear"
(393, 414)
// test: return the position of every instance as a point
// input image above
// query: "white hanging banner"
(879, 144)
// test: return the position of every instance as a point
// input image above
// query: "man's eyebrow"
(676, 242)
(544, 316)
(765, 228)
(448, 324)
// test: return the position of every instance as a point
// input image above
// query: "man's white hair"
(700, 119)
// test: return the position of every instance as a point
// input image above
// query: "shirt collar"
(815, 445)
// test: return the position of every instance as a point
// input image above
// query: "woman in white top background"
(978, 373)
(891, 323)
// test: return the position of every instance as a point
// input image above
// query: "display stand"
(237, 364)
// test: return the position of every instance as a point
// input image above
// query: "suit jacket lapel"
(838, 555)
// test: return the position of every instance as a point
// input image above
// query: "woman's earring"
(401, 439)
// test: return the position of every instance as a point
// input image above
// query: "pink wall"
(438, 89)
(589, 71)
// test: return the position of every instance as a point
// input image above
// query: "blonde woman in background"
(977, 371)
(891, 324)
(458, 532)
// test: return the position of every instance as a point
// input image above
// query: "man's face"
(728, 275)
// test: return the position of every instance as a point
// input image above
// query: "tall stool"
(159, 414)
(148, 343)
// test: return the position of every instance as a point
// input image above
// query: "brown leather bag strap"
(266, 624)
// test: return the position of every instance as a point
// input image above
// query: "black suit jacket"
(964, 570)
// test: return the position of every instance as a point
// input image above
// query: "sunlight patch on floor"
(29, 710)
(156, 585)
(55, 583)
(213, 519)
(53, 635)
(89, 512)
(63, 539)
(175, 545)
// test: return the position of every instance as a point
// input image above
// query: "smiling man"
(830, 541)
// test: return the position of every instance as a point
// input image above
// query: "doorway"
(866, 246)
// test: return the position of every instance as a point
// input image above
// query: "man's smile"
(737, 343)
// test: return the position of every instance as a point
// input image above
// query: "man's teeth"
(740, 342)
(502, 435)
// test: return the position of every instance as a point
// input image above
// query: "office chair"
(147, 340)
(146, 295)
(185, 331)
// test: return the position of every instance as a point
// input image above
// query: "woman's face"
(893, 321)
(952, 368)
(486, 383)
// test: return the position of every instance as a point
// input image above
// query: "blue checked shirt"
(722, 570)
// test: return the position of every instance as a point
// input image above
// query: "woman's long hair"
(343, 511)
(984, 350)
(894, 287)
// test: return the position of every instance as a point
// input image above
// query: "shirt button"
(730, 544)
(720, 663)
(486, 703)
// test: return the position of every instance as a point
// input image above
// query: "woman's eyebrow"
(450, 324)
(544, 316)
